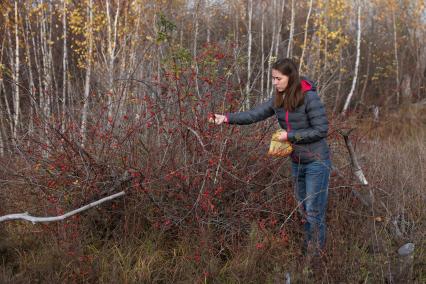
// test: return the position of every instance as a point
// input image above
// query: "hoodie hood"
(307, 85)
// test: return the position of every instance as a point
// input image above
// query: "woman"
(301, 114)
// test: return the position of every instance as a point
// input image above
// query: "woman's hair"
(292, 96)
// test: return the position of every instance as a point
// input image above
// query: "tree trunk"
(8, 104)
(358, 55)
(250, 15)
(262, 50)
(339, 82)
(16, 82)
(290, 38)
(112, 45)
(2, 148)
(38, 64)
(366, 79)
(2, 116)
(395, 43)
(32, 103)
(305, 39)
(64, 66)
(47, 74)
(194, 48)
(207, 15)
(269, 88)
(280, 25)
(88, 75)
(54, 82)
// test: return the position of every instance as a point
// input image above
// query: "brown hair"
(292, 96)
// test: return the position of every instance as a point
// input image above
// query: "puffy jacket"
(308, 124)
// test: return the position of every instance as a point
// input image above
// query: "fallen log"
(358, 173)
(25, 216)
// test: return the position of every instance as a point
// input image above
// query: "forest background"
(99, 97)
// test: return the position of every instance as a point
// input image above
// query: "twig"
(198, 137)
(33, 219)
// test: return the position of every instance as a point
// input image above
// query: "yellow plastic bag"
(279, 148)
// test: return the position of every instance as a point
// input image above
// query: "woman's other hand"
(283, 136)
(217, 118)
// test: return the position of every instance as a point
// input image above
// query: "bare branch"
(33, 219)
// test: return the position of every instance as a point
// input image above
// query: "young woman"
(301, 114)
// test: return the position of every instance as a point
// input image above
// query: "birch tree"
(64, 63)
(2, 116)
(358, 55)
(32, 104)
(262, 48)
(305, 38)
(10, 51)
(290, 38)
(16, 80)
(46, 65)
(269, 88)
(280, 17)
(112, 51)
(88, 73)
(194, 48)
(276, 39)
(395, 45)
(249, 33)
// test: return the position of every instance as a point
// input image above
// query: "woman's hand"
(283, 136)
(217, 118)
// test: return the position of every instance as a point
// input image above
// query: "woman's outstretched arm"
(257, 114)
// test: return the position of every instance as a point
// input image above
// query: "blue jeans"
(311, 190)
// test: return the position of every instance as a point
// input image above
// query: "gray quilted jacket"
(308, 124)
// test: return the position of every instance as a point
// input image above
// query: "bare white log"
(358, 173)
(33, 219)
(358, 55)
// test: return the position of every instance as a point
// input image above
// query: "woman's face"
(279, 80)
